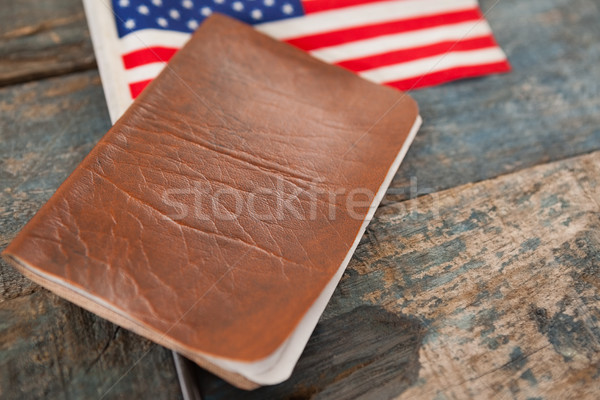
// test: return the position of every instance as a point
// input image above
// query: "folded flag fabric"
(406, 44)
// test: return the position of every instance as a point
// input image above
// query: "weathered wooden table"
(478, 278)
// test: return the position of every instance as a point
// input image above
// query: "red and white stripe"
(406, 44)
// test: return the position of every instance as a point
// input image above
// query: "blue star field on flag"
(186, 15)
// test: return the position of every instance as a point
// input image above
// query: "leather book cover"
(218, 214)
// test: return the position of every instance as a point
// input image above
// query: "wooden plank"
(489, 290)
(546, 109)
(42, 38)
(49, 347)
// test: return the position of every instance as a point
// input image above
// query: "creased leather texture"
(235, 113)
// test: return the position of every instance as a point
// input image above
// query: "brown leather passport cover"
(206, 219)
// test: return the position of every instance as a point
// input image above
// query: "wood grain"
(501, 281)
(41, 39)
(545, 109)
(345, 358)
(55, 350)
(50, 348)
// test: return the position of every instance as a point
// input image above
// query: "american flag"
(406, 44)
